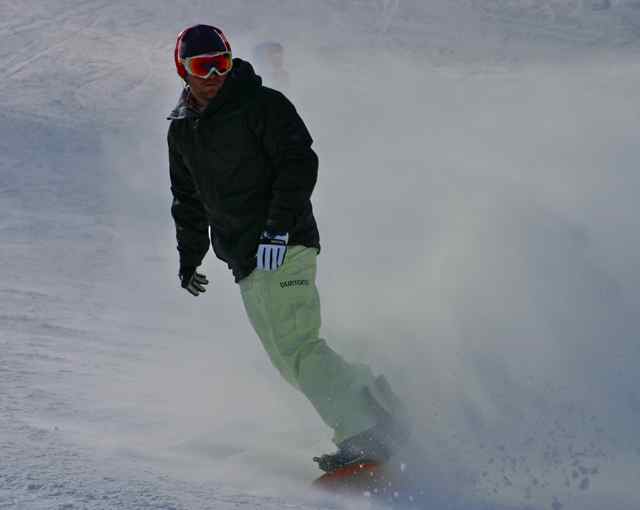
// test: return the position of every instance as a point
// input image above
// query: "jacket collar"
(185, 108)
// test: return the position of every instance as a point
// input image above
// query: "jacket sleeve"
(192, 227)
(288, 145)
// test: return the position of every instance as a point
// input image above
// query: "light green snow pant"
(284, 309)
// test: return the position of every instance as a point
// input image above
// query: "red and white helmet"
(198, 40)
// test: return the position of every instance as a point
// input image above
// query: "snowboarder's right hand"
(193, 281)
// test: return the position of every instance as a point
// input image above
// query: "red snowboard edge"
(355, 477)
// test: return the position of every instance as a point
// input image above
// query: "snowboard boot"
(377, 444)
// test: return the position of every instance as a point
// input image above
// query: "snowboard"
(389, 483)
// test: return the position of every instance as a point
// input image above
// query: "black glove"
(193, 281)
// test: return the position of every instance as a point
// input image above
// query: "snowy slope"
(492, 147)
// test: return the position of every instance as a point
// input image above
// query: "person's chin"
(210, 94)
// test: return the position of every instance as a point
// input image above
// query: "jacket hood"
(240, 87)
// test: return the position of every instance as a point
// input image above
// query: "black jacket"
(242, 166)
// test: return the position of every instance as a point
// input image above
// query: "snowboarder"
(269, 60)
(242, 172)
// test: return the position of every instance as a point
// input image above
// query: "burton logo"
(294, 283)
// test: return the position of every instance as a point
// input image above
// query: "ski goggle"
(203, 66)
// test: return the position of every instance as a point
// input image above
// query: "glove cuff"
(275, 237)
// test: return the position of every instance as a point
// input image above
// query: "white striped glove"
(271, 251)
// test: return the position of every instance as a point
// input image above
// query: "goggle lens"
(203, 66)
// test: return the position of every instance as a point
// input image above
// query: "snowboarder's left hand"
(271, 250)
(193, 281)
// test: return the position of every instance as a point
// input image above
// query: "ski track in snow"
(72, 325)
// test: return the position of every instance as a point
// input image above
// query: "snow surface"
(477, 203)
